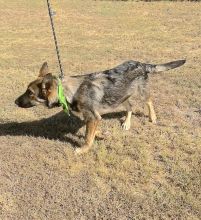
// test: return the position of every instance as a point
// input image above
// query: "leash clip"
(53, 13)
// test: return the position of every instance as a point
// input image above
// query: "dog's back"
(106, 90)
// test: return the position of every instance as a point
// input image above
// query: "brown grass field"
(149, 172)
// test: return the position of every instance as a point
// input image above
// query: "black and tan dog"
(95, 94)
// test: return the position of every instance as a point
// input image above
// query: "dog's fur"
(95, 94)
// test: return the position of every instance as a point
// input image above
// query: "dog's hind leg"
(152, 114)
(145, 93)
(127, 123)
(89, 136)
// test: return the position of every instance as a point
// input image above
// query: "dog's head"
(43, 90)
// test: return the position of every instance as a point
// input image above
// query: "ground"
(148, 172)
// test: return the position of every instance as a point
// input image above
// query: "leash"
(62, 99)
(51, 14)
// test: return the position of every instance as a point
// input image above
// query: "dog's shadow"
(55, 127)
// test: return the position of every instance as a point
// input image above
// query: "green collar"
(62, 99)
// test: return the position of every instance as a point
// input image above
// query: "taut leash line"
(51, 13)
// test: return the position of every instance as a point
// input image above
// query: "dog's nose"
(17, 102)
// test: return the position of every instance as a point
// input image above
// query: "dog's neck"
(71, 85)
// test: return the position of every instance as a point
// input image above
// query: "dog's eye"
(30, 93)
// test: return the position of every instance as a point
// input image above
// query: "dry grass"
(149, 172)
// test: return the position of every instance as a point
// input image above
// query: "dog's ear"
(43, 70)
(49, 84)
(49, 89)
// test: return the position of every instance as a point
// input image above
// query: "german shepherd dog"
(95, 94)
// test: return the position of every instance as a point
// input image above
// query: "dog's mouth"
(52, 105)
(24, 102)
(23, 105)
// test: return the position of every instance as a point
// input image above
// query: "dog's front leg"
(89, 136)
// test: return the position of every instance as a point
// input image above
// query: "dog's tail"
(164, 67)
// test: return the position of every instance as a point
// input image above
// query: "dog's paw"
(126, 125)
(153, 121)
(78, 151)
(82, 150)
(99, 135)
